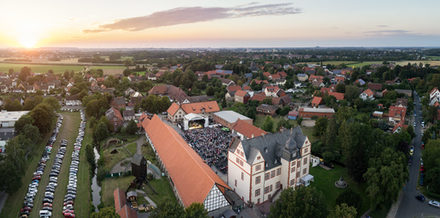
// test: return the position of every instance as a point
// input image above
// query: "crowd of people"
(211, 144)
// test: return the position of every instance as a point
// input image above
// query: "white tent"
(306, 179)
(194, 117)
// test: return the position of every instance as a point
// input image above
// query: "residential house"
(308, 112)
(241, 96)
(245, 130)
(176, 112)
(273, 91)
(367, 95)
(118, 103)
(260, 167)
(230, 94)
(434, 96)
(115, 118)
(282, 101)
(267, 109)
(174, 93)
(302, 77)
(375, 86)
(128, 115)
(316, 101)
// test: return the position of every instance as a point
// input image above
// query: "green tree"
(31, 133)
(350, 198)
(131, 127)
(320, 126)
(43, 115)
(196, 210)
(433, 179)
(31, 102)
(25, 72)
(106, 212)
(168, 209)
(13, 105)
(22, 122)
(101, 132)
(385, 177)
(268, 124)
(52, 101)
(303, 202)
(343, 211)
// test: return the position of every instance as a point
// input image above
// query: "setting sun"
(27, 41)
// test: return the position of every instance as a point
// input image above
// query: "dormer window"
(265, 150)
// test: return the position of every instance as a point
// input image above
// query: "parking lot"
(54, 183)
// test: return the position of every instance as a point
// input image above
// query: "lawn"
(325, 180)
(259, 121)
(132, 148)
(110, 184)
(110, 159)
(149, 154)
(14, 202)
(83, 199)
(163, 189)
(57, 68)
(308, 131)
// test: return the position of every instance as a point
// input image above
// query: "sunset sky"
(218, 23)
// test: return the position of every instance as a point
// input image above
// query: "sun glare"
(27, 41)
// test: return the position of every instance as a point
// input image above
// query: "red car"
(422, 169)
(69, 215)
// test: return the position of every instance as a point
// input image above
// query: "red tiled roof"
(233, 88)
(173, 109)
(246, 88)
(397, 111)
(248, 130)
(259, 97)
(339, 96)
(433, 90)
(117, 113)
(121, 208)
(369, 92)
(282, 74)
(198, 107)
(375, 86)
(316, 101)
(240, 93)
(191, 176)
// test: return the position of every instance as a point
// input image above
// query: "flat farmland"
(59, 68)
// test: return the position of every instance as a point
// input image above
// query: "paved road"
(3, 197)
(409, 206)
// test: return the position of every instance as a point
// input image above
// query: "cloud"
(382, 26)
(388, 32)
(193, 15)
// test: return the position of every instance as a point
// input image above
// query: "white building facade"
(261, 167)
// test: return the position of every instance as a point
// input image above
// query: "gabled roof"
(375, 86)
(233, 88)
(368, 92)
(339, 96)
(259, 97)
(433, 91)
(173, 109)
(191, 176)
(316, 101)
(199, 107)
(248, 130)
(241, 93)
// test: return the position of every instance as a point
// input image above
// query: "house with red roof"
(396, 114)
(434, 96)
(176, 112)
(316, 101)
(245, 130)
(375, 86)
(231, 90)
(121, 206)
(115, 118)
(367, 95)
(273, 91)
(258, 97)
(241, 96)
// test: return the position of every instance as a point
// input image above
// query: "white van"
(45, 213)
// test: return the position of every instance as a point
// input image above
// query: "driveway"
(409, 206)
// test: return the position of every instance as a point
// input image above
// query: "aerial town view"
(220, 109)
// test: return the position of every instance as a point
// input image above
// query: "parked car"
(420, 198)
(434, 203)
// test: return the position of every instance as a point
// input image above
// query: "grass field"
(132, 148)
(325, 180)
(111, 160)
(14, 202)
(43, 68)
(110, 184)
(259, 121)
(163, 189)
(83, 196)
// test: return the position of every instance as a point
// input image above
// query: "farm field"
(43, 68)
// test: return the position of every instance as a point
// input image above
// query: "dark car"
(420, 198)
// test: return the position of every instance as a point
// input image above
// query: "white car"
(434, 203)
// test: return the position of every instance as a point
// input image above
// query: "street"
(409, 205)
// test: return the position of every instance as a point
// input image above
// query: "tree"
(31, 102)
(22, 122)
(25, 72)
(52, 101)
(101, 131)
(131, 128)
(43, 115)
(303, 202)
(13, 105)
(385, 177)
(350, 198)
(268, 124)
(433, 180)
(320, 126)
(31, 133)
(343, 211)
(106, 212)
(196, 210)
(168, 209)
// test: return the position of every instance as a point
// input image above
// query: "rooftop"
(231, 116)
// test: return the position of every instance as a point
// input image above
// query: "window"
(277, 185)
(258, 167)
(266, 190)
(306, 150)
(298, 174)
(270, 188)
(298, 164)
(304, 171)
(266, 176)
(305, 161)
(292, 182)
(241, 162)
(242, 176)
(257, 180)
(235, 183)
(292, 170)
(278, 171)
(272, 174)
(237, 160)
(257, 192)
